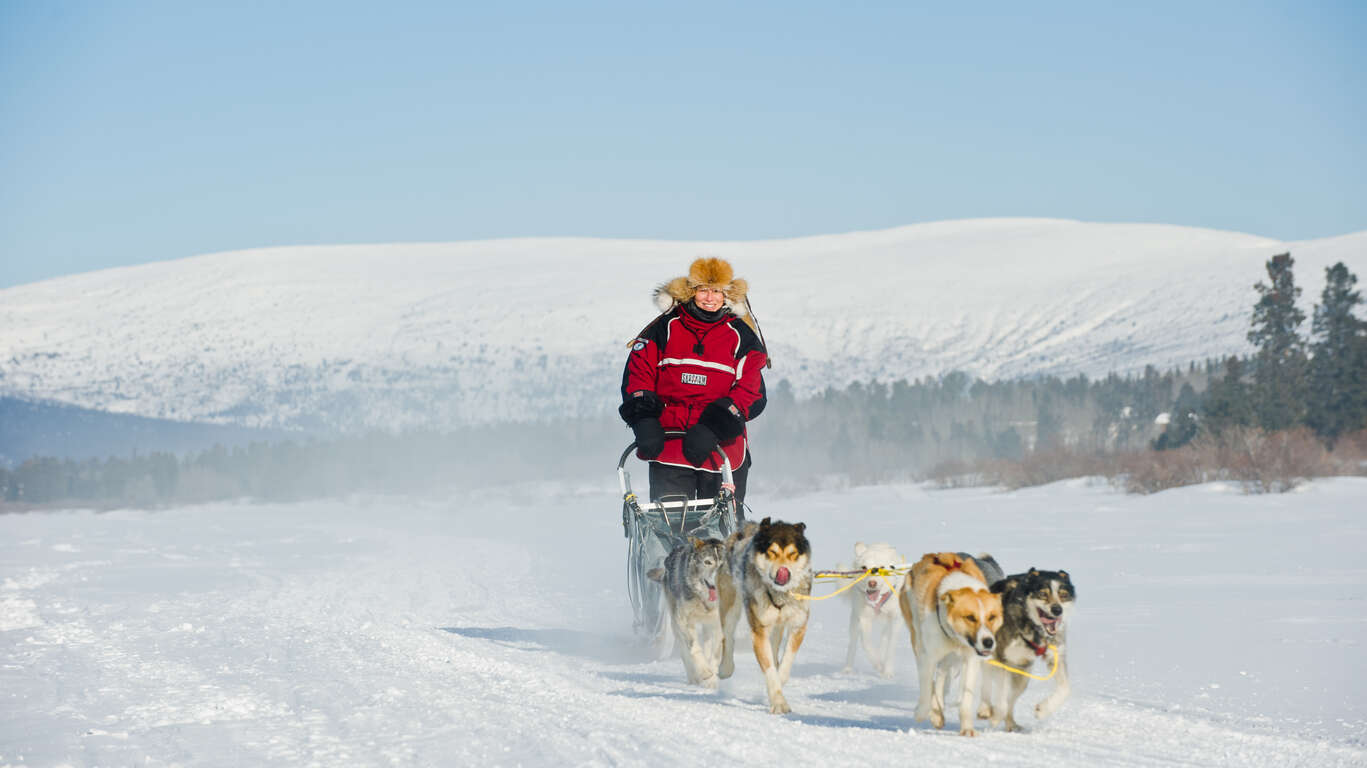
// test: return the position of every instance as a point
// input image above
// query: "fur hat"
(709, 272)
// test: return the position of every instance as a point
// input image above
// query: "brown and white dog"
(873, 606)
(770, 566)
(952, 617)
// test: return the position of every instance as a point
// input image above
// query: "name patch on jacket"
(694, 378)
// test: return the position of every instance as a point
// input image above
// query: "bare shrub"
(1261, 462)
(1349, 456)
(955, 473)
(1049, 466)
(1271, 462)
(1154, 471)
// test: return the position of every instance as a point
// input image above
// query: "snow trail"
(1212, 628)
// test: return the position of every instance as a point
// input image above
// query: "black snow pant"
(667, 480)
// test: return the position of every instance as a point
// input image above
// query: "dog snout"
(1056, 609)
(987, 643)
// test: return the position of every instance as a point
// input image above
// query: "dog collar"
(953, 566)
(1038, 649)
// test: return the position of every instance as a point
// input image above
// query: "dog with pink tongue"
(689, 578)
(769, 579)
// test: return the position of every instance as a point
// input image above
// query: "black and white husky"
(1036, 606)
(689, 577)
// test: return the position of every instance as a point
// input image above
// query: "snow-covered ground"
(1212, 628)
(432, 335)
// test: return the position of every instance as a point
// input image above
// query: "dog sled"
(653, 528)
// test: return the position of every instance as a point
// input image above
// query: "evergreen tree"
(1338, 365)
(1228, 402)
(1182, 420)
(1279, 375)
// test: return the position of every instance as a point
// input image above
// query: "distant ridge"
(433, 335)
(29, 428)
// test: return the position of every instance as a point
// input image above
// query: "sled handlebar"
(726, 476)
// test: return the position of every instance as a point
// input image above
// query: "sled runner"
(653, 527)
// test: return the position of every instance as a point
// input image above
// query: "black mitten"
(650, 437)
(642, 404)
(698, 444)
(724, 419)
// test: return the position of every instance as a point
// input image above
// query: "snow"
(432, 335)
(492, 628)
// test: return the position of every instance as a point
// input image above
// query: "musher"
(697, 369)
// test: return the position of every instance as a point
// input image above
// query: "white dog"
(874, 613)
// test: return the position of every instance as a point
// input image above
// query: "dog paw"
(1043, 709)
(885, 673)
(711, 682)
(985, 711)
(779, 706)
(967, 732)
(727, 668)
(937, 719)
(1011, 726)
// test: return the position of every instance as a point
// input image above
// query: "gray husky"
(1036, 606)
(689, 577)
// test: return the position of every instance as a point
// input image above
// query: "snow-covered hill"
(437, 334)
(1212, 629)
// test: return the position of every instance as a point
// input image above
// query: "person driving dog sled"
(696, 369)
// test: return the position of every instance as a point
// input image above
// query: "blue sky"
(141, 131)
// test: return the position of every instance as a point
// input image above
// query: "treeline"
(1291, 382)
(292, 470)
(1296, 408)
(874, 431)
(865, 432)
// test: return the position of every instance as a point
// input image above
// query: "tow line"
(855, 577)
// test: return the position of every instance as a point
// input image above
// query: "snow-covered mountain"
(347, 337)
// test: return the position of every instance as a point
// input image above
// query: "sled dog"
(1035, 607)
(689, 577)
(952, 616)
(769, 564)
(873, 606)
(992, 571)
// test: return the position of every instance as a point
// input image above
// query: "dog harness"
(954, 566)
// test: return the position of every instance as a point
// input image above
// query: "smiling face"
(974, 615)
(1049, 597)
(709, 299)
(703, 566)
(782, 554)
(879, 589)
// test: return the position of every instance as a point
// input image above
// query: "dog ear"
(1004, 585)
(656, 574)
(801, 527)
(1034, 571)
(1064, 575)
(947, 598)
(696, 542)
(764, 523)
(859, 548)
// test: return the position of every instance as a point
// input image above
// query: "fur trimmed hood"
(708, 272)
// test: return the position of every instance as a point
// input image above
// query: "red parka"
(689, 363)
